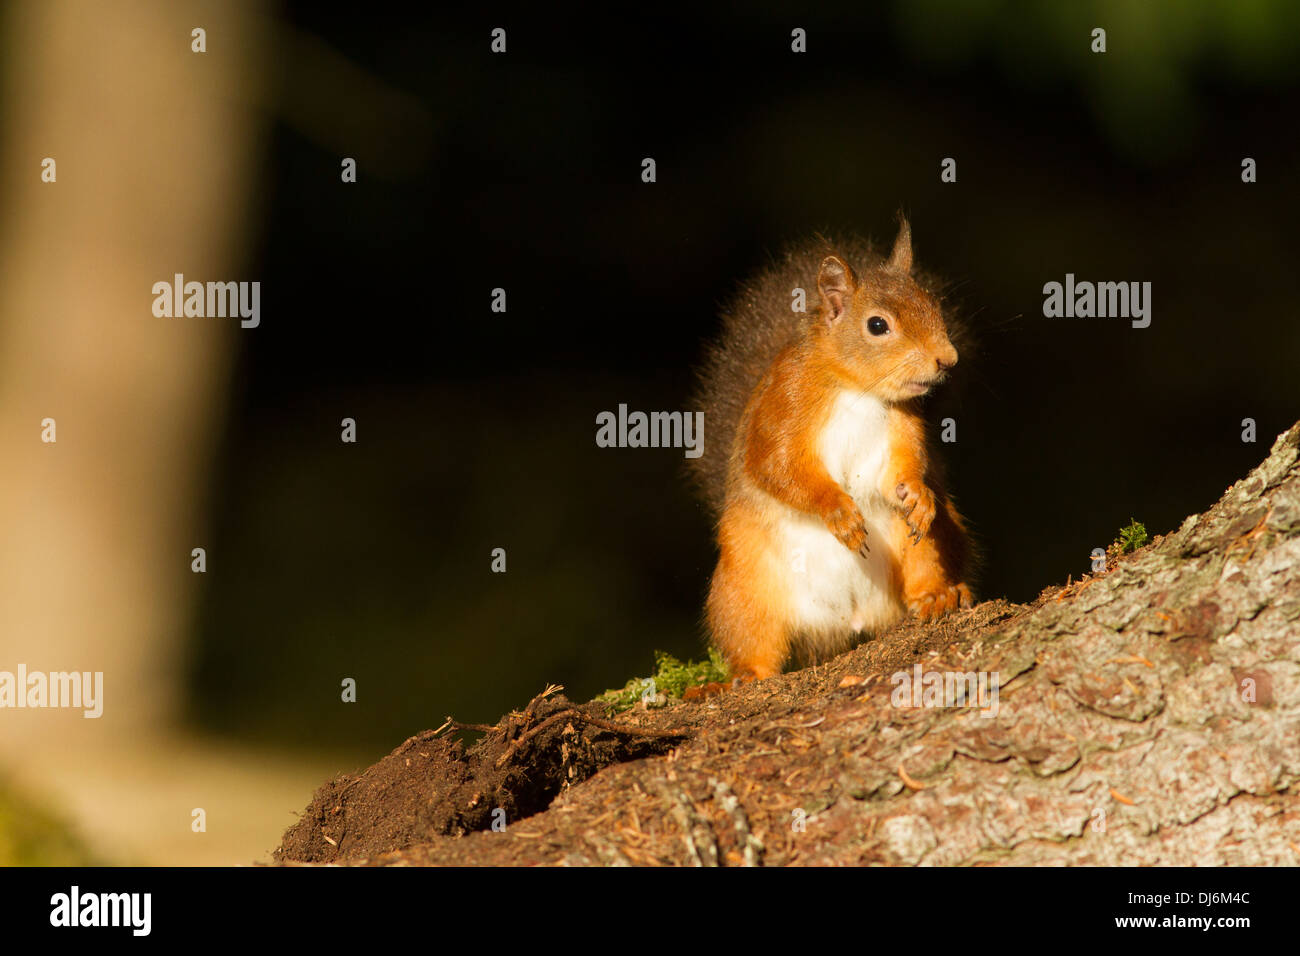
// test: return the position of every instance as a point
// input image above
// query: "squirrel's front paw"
(846, 523)
(929, 605)
(917, 504)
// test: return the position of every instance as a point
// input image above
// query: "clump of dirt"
(433, 786)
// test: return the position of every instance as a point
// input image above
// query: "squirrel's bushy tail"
(757, 324)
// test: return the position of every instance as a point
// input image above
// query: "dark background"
(476, 430)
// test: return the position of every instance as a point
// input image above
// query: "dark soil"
(432, 786)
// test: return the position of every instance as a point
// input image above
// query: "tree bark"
(1148, 714)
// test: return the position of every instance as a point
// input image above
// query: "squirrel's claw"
(846, 523)
(917, 506)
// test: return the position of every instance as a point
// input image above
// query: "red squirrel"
(832, 518)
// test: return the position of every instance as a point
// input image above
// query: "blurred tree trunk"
(154, 146)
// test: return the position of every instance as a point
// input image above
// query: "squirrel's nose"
(947, 360)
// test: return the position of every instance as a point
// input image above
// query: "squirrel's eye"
(877, 326)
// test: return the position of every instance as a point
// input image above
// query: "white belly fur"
(836, 593)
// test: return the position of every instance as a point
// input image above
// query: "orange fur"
(839, 398)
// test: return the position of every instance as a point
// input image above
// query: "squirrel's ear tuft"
(835, 284)
(900, 260)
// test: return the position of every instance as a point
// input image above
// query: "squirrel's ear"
(835, 283)
(900, 260)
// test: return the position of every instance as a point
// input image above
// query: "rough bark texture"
(1149, 714)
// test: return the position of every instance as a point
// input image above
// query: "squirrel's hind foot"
(931, 605)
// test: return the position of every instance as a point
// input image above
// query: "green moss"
(30, 836)
(672, 678)
(619, 700)
(1131, 537)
